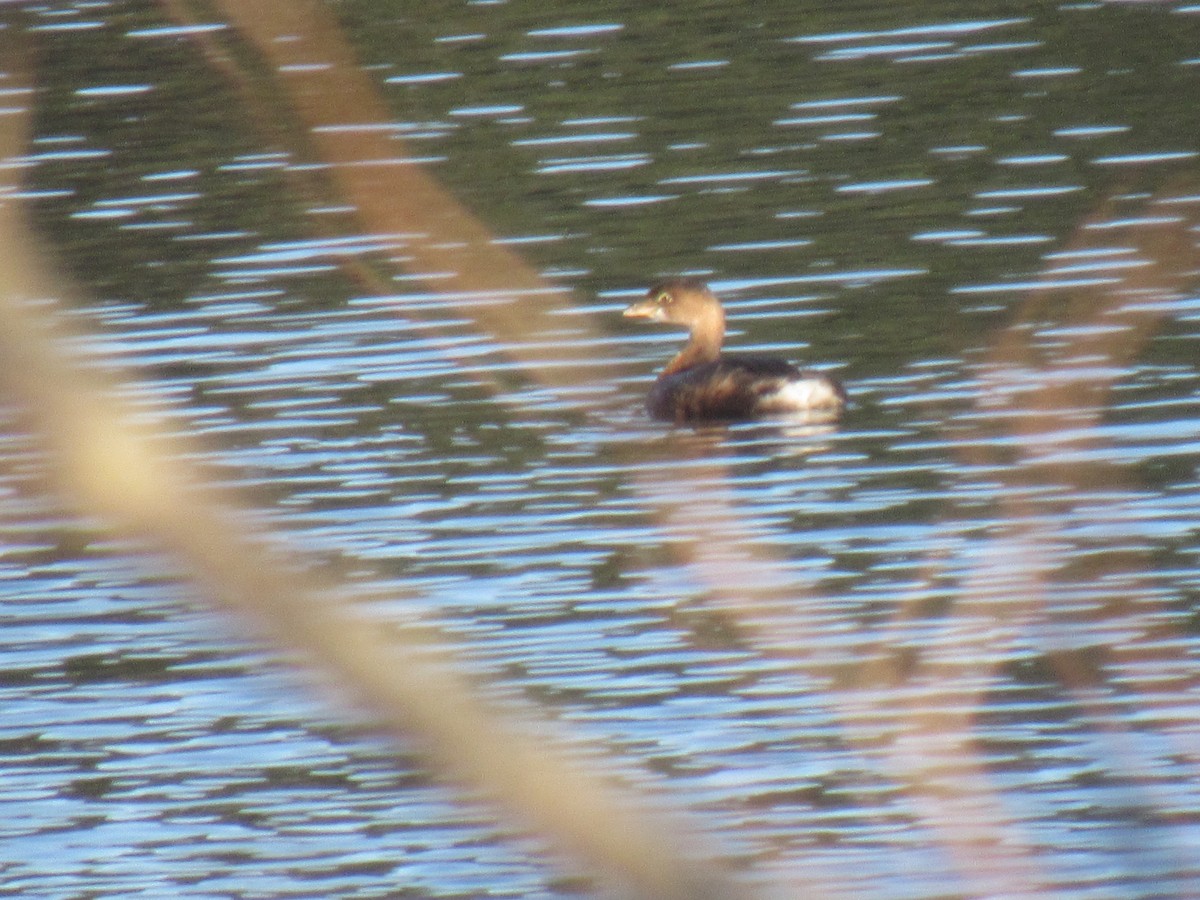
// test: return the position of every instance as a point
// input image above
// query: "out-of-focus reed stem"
(127, 471)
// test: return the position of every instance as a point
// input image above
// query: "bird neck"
(704, 343)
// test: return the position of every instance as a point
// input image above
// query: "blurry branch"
(1055, 399)
(113, 464)
(1045, 402)
(1153, 262)
(324, 107)
(339, 109)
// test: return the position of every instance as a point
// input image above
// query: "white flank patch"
(798, 396)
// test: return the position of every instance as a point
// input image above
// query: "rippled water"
(987, 227)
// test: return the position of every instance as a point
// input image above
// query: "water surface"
(981, 585)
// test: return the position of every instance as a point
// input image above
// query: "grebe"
(701, 383)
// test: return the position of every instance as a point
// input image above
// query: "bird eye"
(664, 298)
